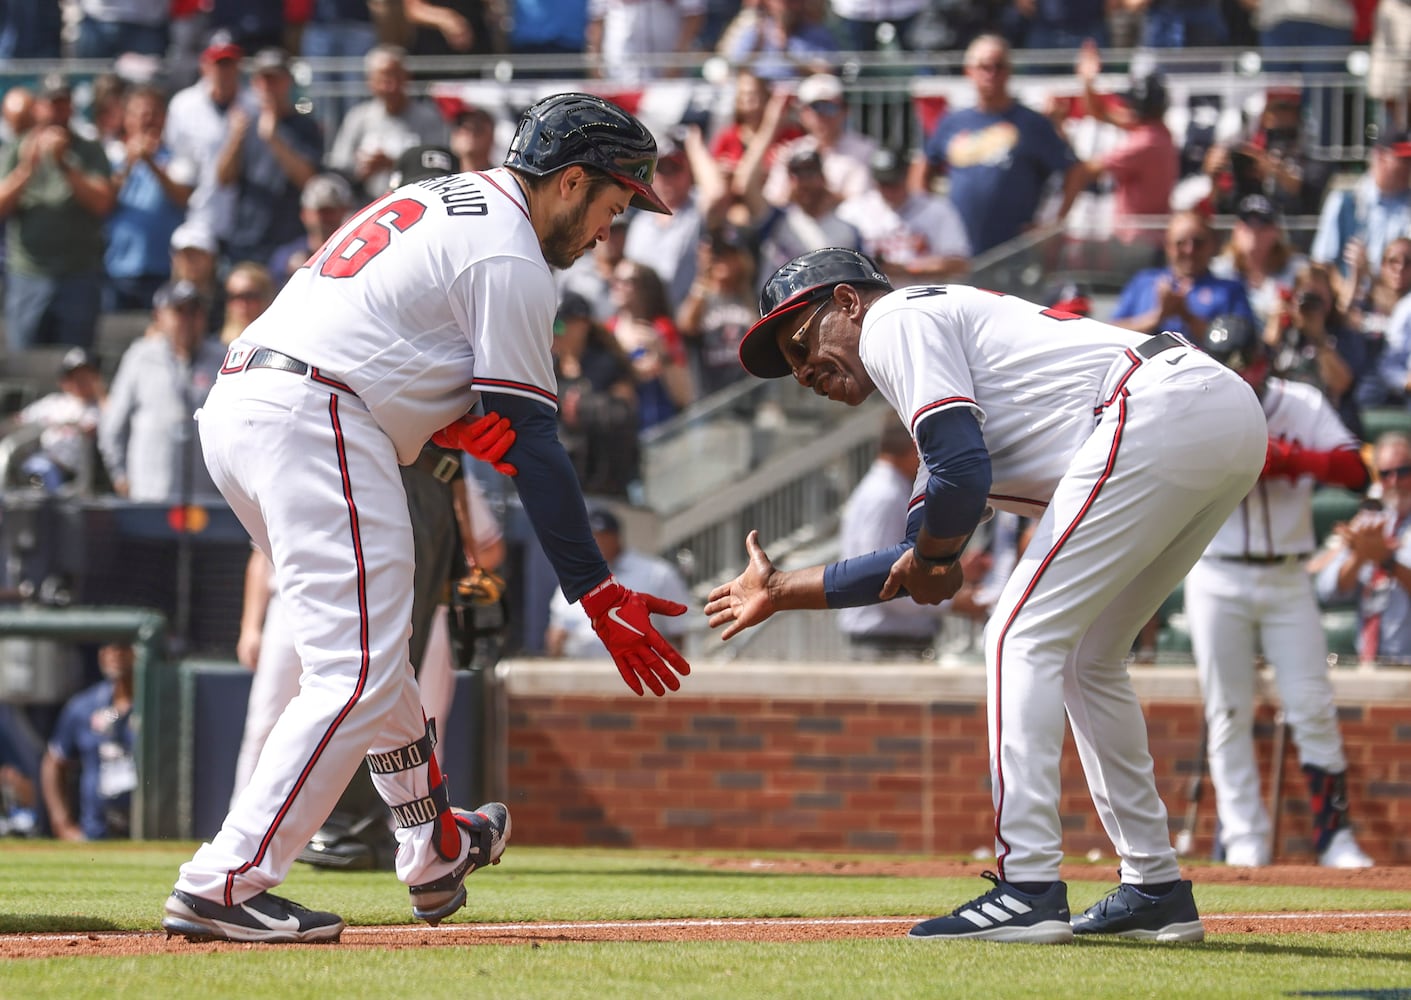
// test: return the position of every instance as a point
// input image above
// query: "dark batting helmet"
(568, 129)
(805, 279)
(1234, 342)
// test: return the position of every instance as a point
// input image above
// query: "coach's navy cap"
(805, 279)
(602, 520)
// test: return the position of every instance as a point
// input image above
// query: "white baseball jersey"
(1276, 519)
(1033, 377)
(417, 360)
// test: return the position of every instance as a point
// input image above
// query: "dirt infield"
(120, 945)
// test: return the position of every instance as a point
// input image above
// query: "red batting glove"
(486, 438)
(622, 619)
(1278, 459)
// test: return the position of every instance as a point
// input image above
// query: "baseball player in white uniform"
(436, 294)
(1250, 590)
(1074, 422)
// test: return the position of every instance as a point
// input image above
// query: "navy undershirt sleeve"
(856, 582)
(548, 489)
(954, 451)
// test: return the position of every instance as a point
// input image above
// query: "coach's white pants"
(1171, 456)
(315, 482)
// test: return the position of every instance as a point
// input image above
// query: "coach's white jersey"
(1034, 377)
(1276, 518)
(479, 317)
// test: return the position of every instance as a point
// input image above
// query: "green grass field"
(55, 888)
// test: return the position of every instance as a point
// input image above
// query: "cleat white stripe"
(996, 913)
(975, 918)
(1017, 905)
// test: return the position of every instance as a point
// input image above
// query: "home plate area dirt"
(782, 929)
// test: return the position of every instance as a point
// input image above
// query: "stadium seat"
(1330, 506)
(1377, 420)
(1340, 627)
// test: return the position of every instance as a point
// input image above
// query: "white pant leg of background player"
(1226, 611)
(1297, 649)
(333, 515)
(1107, 551)
(437, 679)
(274, 685)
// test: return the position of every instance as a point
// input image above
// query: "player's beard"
(566, 239)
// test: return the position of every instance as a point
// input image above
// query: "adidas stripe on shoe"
(488, 829)
(266, 918)
(1130, 913)
(1005, 914)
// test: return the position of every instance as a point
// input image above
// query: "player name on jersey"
(459, 194)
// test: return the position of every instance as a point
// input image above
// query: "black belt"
(437, 462)
(1283, 560)
(1153, 346)
(267, 357)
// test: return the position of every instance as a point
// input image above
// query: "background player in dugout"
(1119, 492)
(386, 351)
(1250, 588)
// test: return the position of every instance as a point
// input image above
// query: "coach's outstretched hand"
(745, 600)
(486, 438)
(622, 619)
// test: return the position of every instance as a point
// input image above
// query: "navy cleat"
(1130, 913)
(1004, 914)
(266, 919)
(488, 829)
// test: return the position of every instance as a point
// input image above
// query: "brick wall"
(837, 758)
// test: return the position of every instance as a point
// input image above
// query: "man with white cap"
(845, 153)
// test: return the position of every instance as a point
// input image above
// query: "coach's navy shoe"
(488, 829)
(266, 918)
(1005, 914)
(1130, 913)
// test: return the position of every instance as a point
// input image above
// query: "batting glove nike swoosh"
(623, 620)
(486, 438)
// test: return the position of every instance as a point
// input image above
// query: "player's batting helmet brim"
(805, 279)
(567, 129)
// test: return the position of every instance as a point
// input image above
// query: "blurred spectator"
(999, 155)
(869, 25)
(251, 24)
(473, 139)
(55, 192)
(1368, 559)
(728, 144)
(567, 635)
(1389, 74)
(1184, 295)
(1260, 256)
(196, 128)
(915, 237)
(1062, 24)
(268, 157)
(106, 114)
(591, 275)
(338, 29)
(845, 153)
(147, 433)
(376, 131)
(95, 737)
(194, 254)
(20, 753)
(1368, 302)
(1309, 342)
(69, 421)
(187, 33)
(1274, 162)
(874, 518)
(809, 221)
(645, 329)
(17, 112)
(110, 28)
(720, 306)
(31, 30)
(1298, 24)
(1357, 224)
(249, 289)
(324, 204)
(1181, 24)
(454, 27)
(1143, 165)
(598, 412)
(153, 190)
(779, 39)
(668, 244)
(634, 40)
(548, 28)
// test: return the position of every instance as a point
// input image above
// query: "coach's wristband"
(938, 562)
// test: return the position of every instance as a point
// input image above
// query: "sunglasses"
(250, 296)
(798, 343)
(1400, 472)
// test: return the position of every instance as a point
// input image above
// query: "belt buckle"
(446, 467)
